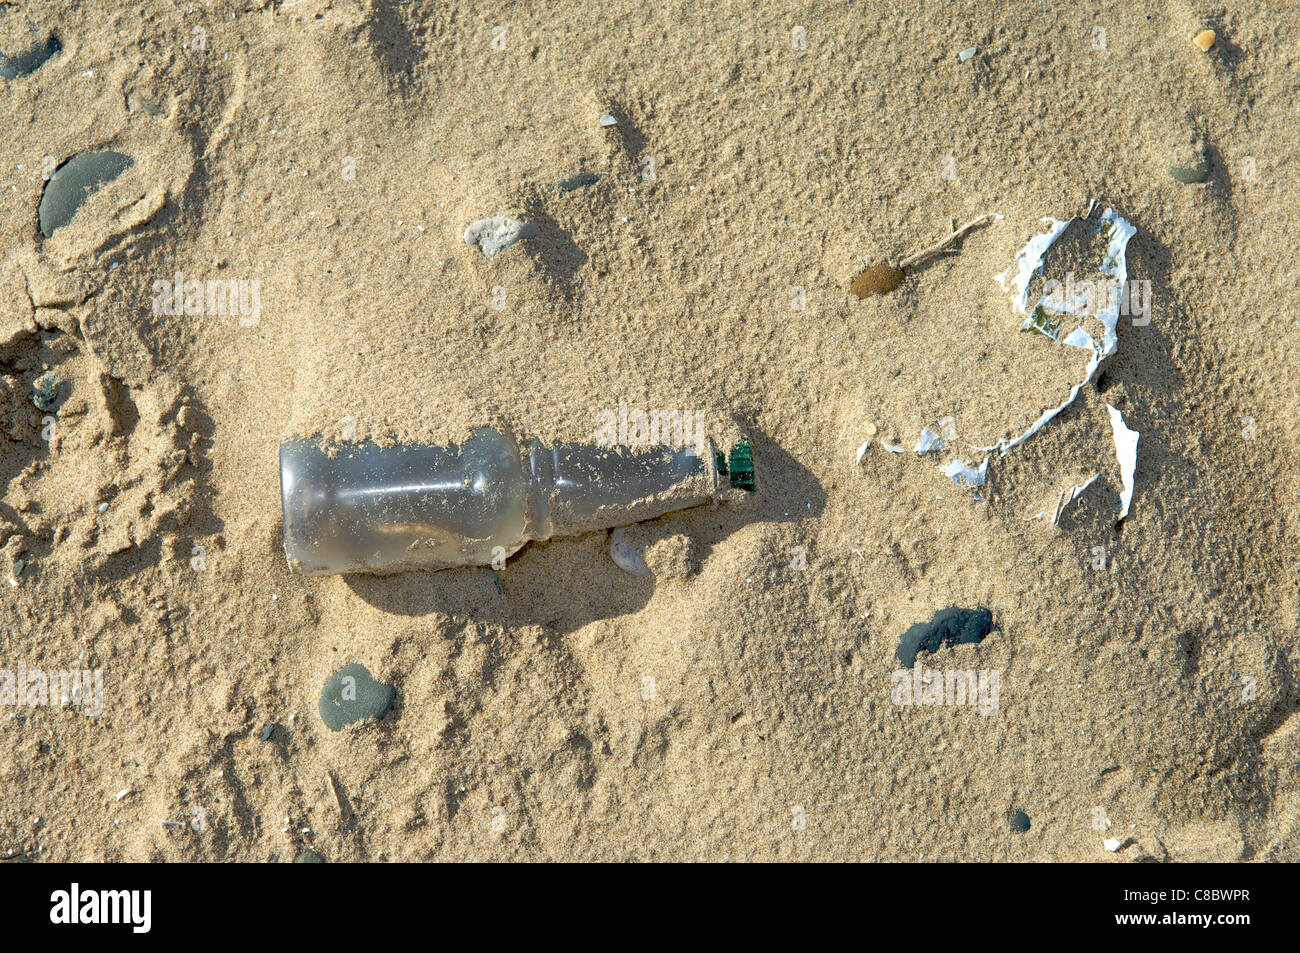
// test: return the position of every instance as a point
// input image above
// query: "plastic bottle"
(366, 508)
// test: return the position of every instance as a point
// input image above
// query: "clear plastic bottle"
(366, 508)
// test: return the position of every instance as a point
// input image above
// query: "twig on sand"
(884, 278)
(936, 248)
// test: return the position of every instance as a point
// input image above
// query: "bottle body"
(367, 508)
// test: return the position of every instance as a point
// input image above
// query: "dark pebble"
(75, 181)
(948, 627)
(47, 391)
(352, 694)
(1194, 174)
(1020, 822)
(30, 60)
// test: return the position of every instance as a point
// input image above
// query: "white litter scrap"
(962, 474)
(1043, 316)
(1126, 449)
(929, 441)
(1073, 494)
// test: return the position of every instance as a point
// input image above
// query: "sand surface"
(334, 151)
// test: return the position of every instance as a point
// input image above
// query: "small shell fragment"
(1205, 39)
(970, 51)
(627, 557)
(607, 120)
(495, 235)
(877, 280)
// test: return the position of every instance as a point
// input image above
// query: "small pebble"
(75, 181)
(353, 694)
(1204, 40)
(627, 557)
(1020, 822)
(267, 732)
(578, 181)
(1193, 174)
(948, 627)
(495, 235)
(30, 60)
(47, 392)
(967, 53)
(607, 120)
(1112, 844)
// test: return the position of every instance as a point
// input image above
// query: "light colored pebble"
(495, 235)
(627, 557)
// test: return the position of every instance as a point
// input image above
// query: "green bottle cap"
(740, 468)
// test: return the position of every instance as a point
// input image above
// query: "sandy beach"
(283, 254)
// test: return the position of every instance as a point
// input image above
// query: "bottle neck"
(577, 488)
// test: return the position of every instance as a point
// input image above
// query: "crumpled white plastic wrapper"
(1029, 261)
(1126, 448)
(929, 441)
(964, 475)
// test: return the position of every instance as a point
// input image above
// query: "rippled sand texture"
(325, 159)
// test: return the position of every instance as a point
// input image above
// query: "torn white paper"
(892, 447)
(1126, 448)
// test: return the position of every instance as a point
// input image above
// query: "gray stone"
(74, 182)
(30, 59)
(47, 392)
(353, 694)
